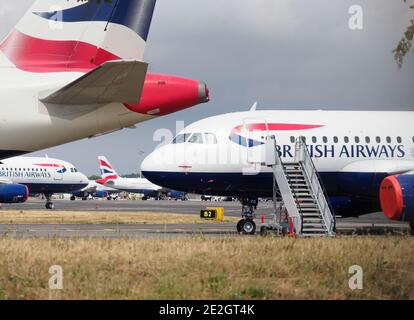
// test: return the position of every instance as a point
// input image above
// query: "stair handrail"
(305, 159)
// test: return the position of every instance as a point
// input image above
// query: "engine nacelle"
(13, 193)
(164, 94)
(397, 197)
(101, 194)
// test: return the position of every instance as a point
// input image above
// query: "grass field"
(208, 268)
(98, 217)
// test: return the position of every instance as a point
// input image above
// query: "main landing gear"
(412, 227)
(49, 204)
(247, 225)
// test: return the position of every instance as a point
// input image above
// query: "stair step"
(312, 225)
(312, 220)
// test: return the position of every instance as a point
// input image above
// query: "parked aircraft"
(134, 185)
(73, 69)
(23, 175)
(365, 159)
(95, 190)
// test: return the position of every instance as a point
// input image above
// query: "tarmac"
(375, 224)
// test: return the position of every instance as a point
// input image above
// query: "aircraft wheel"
(249, 227)
(84, 198)
(72, 198)
(240, 225)
(50, 206)
(412, 227)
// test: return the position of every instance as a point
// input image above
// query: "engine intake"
(397, 197)
(13, 193)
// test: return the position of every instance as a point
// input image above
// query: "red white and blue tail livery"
(73, 69)
(134, 185)
(57, 36)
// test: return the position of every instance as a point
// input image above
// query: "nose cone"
(156, 166)
(203, 93)
(83, 180)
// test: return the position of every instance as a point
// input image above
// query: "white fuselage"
(352, 150)
(42, 175)
(133, 185)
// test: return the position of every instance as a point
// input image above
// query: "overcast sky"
(285, 54)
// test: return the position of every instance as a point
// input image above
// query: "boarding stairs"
(302, 191)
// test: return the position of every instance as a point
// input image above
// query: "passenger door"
(255, 132)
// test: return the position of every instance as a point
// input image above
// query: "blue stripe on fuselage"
(54, 188)
(361, 185)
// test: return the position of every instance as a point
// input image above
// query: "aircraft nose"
(83, 179)
(203, 93)
(148, 164)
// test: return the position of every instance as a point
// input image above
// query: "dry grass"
(206, 268)
(98, 217)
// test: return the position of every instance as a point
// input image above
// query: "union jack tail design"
(107, 171)
(72, 35)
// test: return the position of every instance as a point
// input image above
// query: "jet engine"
(13, 193)
(101, 194)
(397, 197)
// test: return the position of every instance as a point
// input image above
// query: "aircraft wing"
(114, 81)
(5, 181)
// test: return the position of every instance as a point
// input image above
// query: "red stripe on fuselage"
(41, 56)
(105, 180)
(50, 165)
(275, 127)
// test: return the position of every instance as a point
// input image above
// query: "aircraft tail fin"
(107, 171)
(72, 35)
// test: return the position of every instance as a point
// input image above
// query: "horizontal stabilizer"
(114, 81)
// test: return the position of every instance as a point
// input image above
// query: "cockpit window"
(181, 138)
(196, 138)
(211, 138)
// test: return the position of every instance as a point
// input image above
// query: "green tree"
(405, 44)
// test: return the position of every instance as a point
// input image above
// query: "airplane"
(133, 185)
(73, 69)
(21, 176)
(365, 158)
(95, 190)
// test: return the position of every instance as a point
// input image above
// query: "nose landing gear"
(247, 225)
(49, 204)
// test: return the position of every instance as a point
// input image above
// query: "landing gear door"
(256, 132)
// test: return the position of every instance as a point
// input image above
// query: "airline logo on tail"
(107, 171)
(237, 137)
(69, 35)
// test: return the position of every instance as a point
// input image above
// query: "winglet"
(253, 108)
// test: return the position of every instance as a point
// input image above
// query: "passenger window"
(314, 140)
(335, 139)
(325, 139)
(367, 139)
(211, 138)
(346, 139)
(196, 138)
(399, 140)
(181, 138)
(292, 139)
(357, 139)
(378, 139)
(388, 139)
